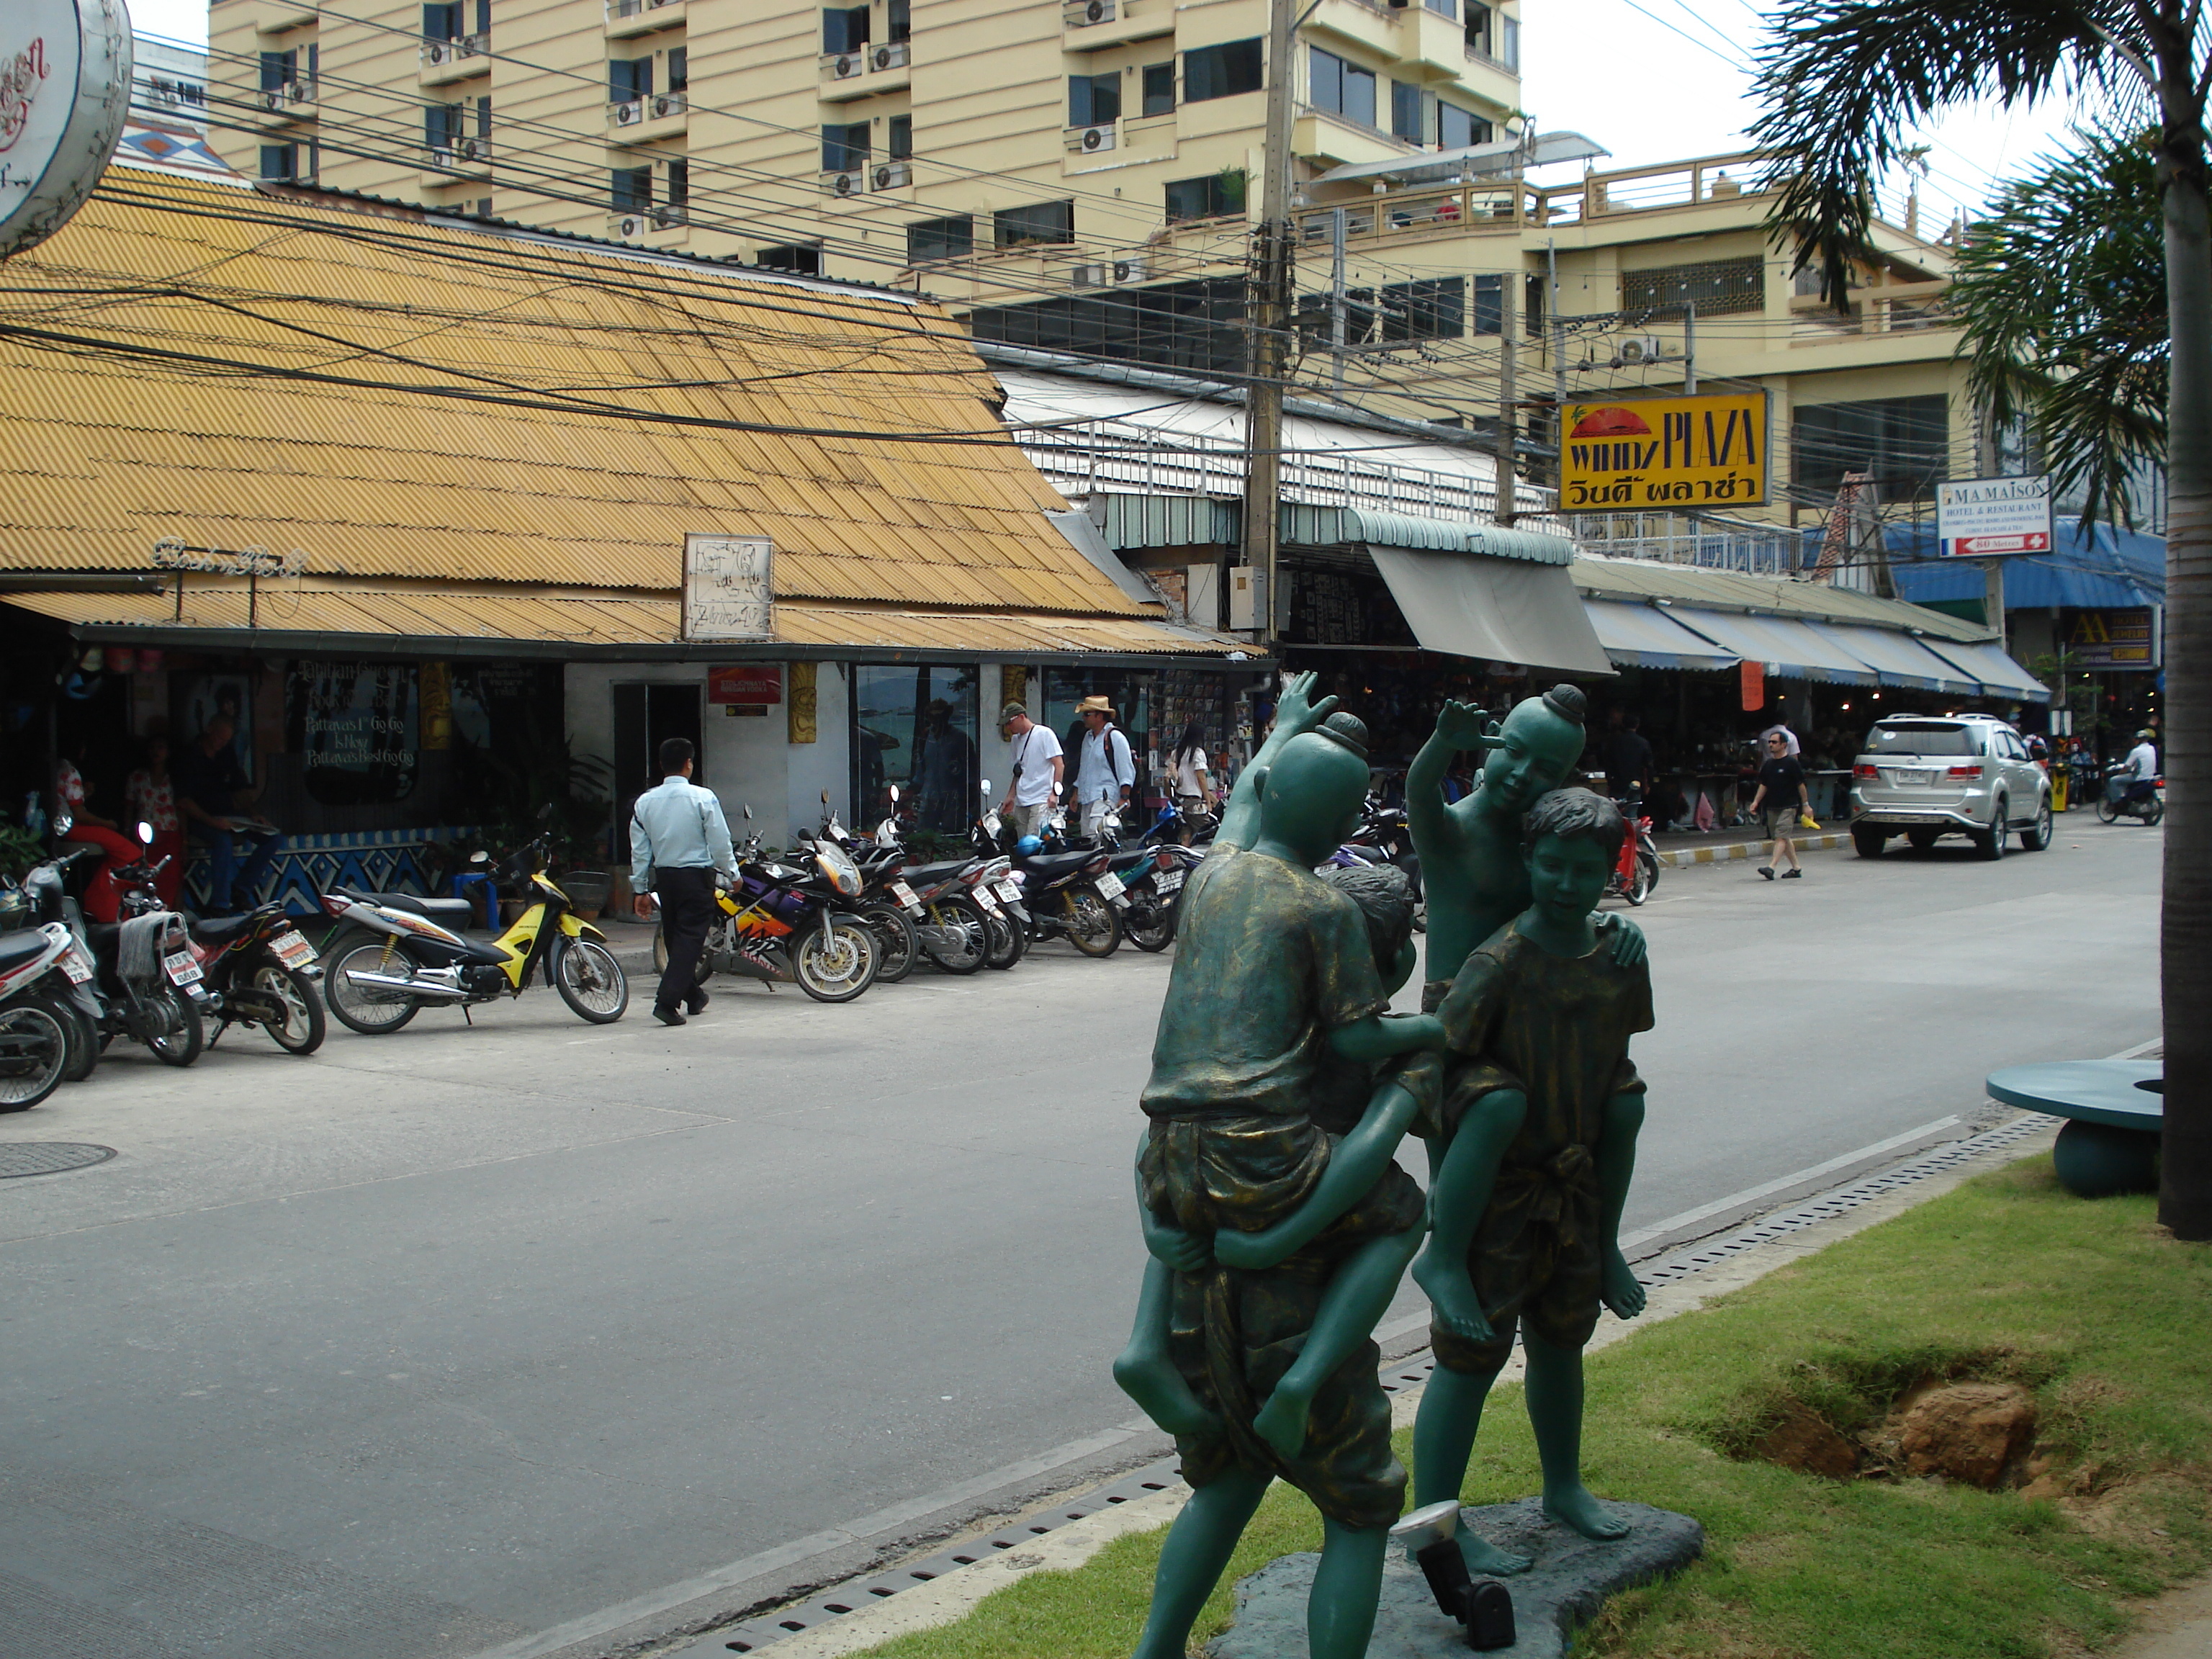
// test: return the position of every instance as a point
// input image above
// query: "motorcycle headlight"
(837, 865)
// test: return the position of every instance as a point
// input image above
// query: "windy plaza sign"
(1664, 454)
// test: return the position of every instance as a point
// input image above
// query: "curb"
(1680, 857)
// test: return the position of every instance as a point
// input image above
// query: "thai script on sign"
(172, 555)
(729, 588)
(1664, 452)
(19, 85)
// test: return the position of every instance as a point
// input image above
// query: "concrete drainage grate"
(1410, 1372)
(38, 1157)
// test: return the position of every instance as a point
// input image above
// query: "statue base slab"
(1569, 1582)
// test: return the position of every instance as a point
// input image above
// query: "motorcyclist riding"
(2141, 768)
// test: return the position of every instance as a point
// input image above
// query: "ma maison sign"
(65, 89)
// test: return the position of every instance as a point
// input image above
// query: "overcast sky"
(1650, 80)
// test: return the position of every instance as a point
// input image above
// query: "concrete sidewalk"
(1678, 848)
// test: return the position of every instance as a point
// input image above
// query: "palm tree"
(1843, 81)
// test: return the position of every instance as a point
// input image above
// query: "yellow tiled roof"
(108, 449)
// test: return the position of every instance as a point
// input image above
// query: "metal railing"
(1708, 539)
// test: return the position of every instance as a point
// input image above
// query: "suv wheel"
(1991, 840)
(1867, 843)
(2037, 839)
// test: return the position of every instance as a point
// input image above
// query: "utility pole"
(1268, 318)
(1690, 349)
(1336, 321)
(1508, 420)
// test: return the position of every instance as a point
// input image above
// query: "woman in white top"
(1193, 785)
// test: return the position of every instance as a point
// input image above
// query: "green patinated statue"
(1278, 1224)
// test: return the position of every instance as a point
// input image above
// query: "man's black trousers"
(687, 910)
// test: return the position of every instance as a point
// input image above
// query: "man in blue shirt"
(678, 839)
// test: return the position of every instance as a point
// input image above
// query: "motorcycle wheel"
(1648, 863)
(34, 1055)
(371, 1012)
(83, 1037)
(969, 936)
(1009, 943)
(1093, 928)
(590, 981)
(181, 1034)
(1639, 886)
(2154, 812)
(1151, 924)
(304, 1026)
(897, 947)
(837, 961)
(2108, 810)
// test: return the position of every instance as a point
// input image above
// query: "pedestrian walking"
(678, 838)
(1034, 790)
(1782, 795)
(1107, 771)
(1188, 768)
(1626, 756)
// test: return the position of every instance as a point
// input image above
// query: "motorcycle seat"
(916, 875)
(221, 930)
(16, 949)
(1051, 866)
(446, 912)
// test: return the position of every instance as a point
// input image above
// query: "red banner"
(751, 683)
(1754, 685)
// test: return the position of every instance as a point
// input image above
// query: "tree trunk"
(2185, 921)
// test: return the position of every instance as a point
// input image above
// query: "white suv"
(1926, 775)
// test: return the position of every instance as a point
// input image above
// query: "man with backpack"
(1107, 771)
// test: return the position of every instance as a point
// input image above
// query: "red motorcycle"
(1638, 871)
(253, 969)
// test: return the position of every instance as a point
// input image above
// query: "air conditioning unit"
(890, 57)
(632, 226)
(667, 104)
(1128, 270)
(846, 66)
(630, 114)
(475, 150)
(890, 175)
(1637, 351)
(1088, 276)
(1082, 14)
(1089, 141)
(440, 52)
(844, 184)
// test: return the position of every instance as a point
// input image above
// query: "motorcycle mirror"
(145, 833)
(749, 813)
(480, 857)
(545, 813)
(63, 824)
(826, 797)
(987, 789)
(894, 795)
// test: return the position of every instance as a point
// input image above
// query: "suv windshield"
(1922, 738)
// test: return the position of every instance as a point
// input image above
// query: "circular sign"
(64, 89)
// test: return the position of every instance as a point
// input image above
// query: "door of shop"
(646, 716)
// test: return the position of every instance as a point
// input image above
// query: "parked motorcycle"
(395, 955)
(1637, 872)
(1069, 895)
(37, 967)
(884, 912)
(789, 923)
(2118, 802)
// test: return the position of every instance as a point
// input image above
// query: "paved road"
(439, 1341)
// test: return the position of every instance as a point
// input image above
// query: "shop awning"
(1900, 659)
(1789, 649)
(1992, 668)
(1645, 636)
(1504, 610)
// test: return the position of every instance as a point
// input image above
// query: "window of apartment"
(1481, 28)
(1342, 87)
(1406, 113)
(844, 28)
(679, 68)
(804, 258)
(1159, 88)
(1508, 42)
(1315, 320)
(1490, 305)
(844, 146)
(1048, 221)
(898, 20)
(679, 183)
(1720, 288)
(1214, 196)
(1531, 305)
(1434, 309)
(1221, 72)
(280, 161)
(900, 141)
(1094, 100)
(1903, 441)
(442, 21)
(628, 78)
(278, 68)
(483, 117)
(952, 238)
(443, 125)
(1458, 128)
(1442, 7)
(632, 189)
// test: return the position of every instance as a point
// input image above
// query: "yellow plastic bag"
(1806, 820)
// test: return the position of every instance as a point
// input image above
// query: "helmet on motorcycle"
(1029, 847)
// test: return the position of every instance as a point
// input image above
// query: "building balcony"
(626, 18)
(466, 159)
(1331, 140)
(460, 59)
(641, 120)
(654, 226)
(864, 71)
(1095, 25)
(281, 106)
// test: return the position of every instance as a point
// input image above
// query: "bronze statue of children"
(1526, 1201)
(1273, 1372)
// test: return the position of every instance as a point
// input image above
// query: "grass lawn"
(2008, 1278)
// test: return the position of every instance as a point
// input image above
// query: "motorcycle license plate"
(182, 969)
(984, 898)
(74, 965)
(1010, 892)
(293, 950)
(1168, 881)
(1109, 886)
(904, 895)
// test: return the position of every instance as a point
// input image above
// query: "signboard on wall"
(2123, 638)
(65, 89)
(1654, 454)
(751, 682)
(1993, 518)
(729, 588)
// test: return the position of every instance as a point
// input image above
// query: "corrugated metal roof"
(598, 622)
(107, 454)
(1778, 596)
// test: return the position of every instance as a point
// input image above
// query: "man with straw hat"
(1106, 771)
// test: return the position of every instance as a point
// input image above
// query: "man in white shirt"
(1789, 740)
(1038, 764)
(678, 838)
(2142, 768)
(1107, 771)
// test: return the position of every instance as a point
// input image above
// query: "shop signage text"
(2124, 639)
(1992, 518)
(729, 588)
(64, 89)
(173, 554)
(751, 682)
(1682, 454)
